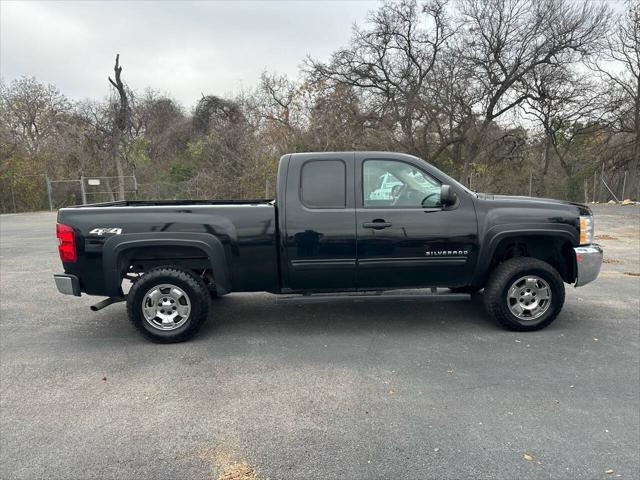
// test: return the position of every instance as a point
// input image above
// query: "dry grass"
(238, 471)
(605, 237)
(632, 274)
(226, 462)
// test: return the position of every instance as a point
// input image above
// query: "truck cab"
(341, 233)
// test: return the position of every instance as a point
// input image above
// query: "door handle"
(377, 224)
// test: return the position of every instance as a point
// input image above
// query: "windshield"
(449, 180)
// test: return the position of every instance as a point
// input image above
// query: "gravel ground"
(348, 390)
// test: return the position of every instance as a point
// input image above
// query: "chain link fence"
(39, 192)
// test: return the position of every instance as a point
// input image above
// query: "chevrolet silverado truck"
(343, 223)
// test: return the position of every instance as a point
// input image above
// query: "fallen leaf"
(527, 457)
(613, 261)
(391, 392)
(104, 379)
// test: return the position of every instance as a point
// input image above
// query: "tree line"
(505, 95)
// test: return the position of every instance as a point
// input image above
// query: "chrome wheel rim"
(166, 307)
(529, 297)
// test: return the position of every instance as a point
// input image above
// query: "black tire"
(504, 276)
(194, 289)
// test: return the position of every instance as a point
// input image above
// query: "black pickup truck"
(343, 222)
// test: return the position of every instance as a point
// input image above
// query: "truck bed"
(246, 229)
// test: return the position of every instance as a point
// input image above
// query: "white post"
(46, 178)
(82, 191)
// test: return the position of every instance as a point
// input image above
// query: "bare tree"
(391, 65)
(121, 126)
(567, 107)
(619, 68)
(33, 112)
(506, 40)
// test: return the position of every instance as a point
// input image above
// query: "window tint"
(323, 184)
(389, 183)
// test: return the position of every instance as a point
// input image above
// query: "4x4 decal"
(106, 230)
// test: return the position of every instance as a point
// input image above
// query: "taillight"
(66, 243)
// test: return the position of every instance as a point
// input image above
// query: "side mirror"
(447, 196)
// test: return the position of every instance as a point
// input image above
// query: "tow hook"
(106, 302)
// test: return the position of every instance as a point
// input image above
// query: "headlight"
(586, 229)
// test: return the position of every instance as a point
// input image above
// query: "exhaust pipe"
(106, 302)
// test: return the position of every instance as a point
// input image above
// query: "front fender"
(498, 233)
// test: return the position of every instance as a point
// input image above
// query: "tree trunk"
(547, 156)
(474, 148)
(121, 126)
(117, 161)
(471, 154)
(546, 161)
(465, 171)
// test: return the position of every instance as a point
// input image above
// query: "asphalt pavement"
(354, 390)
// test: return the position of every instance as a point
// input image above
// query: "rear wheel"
(524, 294)
(168, 304)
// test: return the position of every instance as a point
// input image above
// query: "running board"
(433, 294)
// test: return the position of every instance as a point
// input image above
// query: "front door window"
(390, 183)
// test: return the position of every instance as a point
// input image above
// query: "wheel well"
(139, 260)
(555, 251)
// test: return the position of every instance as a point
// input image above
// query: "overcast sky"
(179, 48)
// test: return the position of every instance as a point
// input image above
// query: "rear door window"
(323, 184)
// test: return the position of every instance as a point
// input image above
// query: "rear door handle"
(377, 224)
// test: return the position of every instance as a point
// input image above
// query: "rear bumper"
(588, 262)
(67, 284)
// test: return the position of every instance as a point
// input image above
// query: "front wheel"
(524, 294)
(168, 304)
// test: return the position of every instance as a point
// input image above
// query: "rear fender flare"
(209, 244)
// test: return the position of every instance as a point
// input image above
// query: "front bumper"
(67, 284)
(588, 262)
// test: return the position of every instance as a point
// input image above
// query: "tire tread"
(201, 293)
(493, 291)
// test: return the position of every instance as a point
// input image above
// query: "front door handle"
(377, 224)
